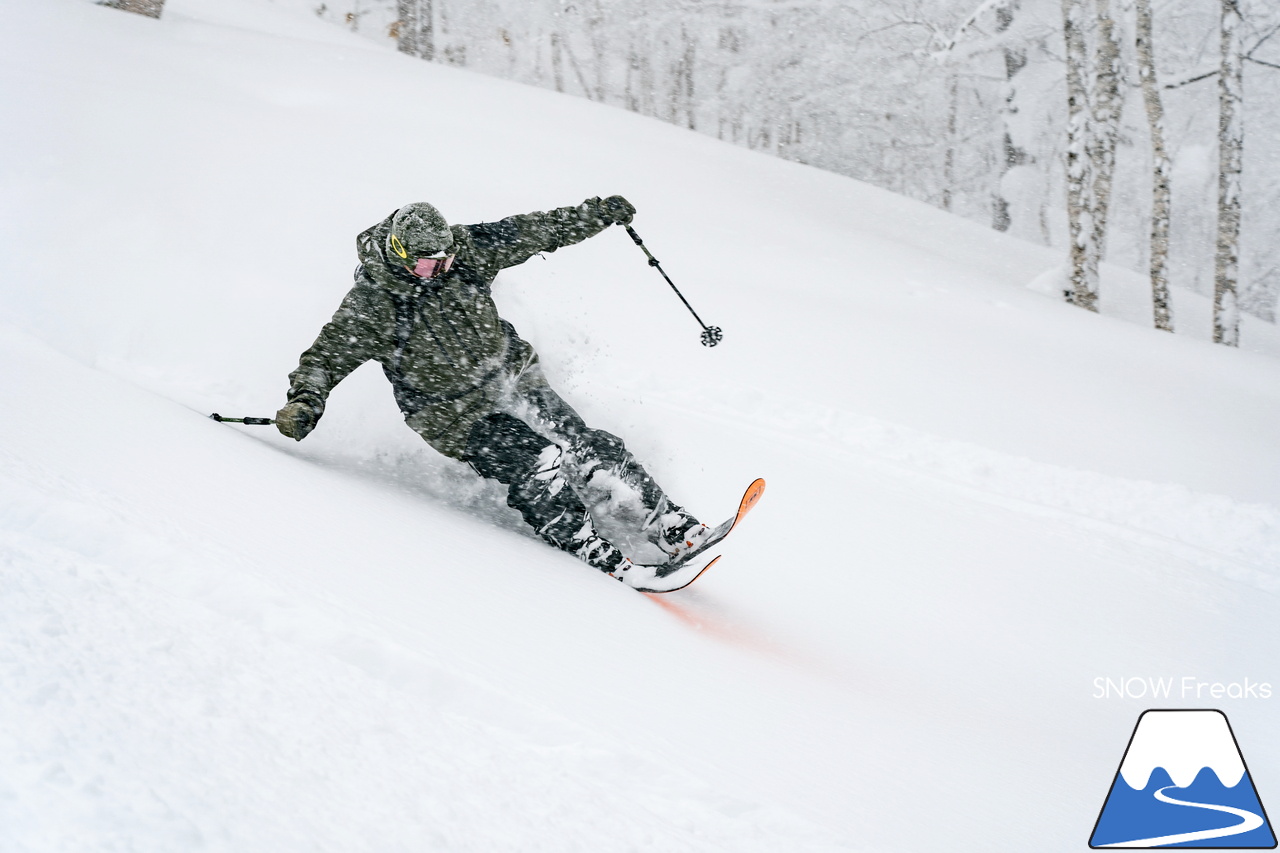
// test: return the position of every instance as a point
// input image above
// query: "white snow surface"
(213, 638)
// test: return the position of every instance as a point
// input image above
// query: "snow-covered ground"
(980, 499)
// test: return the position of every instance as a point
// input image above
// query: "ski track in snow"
(1236, 540)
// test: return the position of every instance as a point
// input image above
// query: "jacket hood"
(371, 250)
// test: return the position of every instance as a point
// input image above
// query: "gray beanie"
(417, 231)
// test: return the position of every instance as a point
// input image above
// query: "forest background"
(962, 104)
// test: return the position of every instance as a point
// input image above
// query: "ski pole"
(711, 335)
(251, 421)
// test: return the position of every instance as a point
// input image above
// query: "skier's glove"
(617, 209)
(296, 420)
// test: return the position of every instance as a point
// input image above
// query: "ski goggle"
(437, 264)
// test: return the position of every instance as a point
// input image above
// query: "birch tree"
(952, 102)
(1095, 100)
(949, 158)
(1014, 59)
(1079, 167)
(415, 28)
(1226, 315)
(1108, 104)
(1161, 167)
(1012, 155)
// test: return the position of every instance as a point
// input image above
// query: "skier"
(472, 387)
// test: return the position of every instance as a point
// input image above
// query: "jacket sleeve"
(516, 239)
(360, 330)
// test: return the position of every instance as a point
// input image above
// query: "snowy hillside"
(980, 499)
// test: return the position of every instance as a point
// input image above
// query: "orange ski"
(646, 578)
(750, 498)
(668, 577)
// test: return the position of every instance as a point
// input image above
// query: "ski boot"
(679, 535)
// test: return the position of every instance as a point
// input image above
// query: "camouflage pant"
(555, 466)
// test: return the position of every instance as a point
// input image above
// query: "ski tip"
(752, 497)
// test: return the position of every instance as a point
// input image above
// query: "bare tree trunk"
(1084, 258)
(588, 91)
(603, 54)
(427, 30)
(415, 29)
(687, 64)
(1226, 314)
(406, 27)
(1015, 59)
(557, 64)
(639, 86)
(1160, 169)
(150, 8)
(1093, 130)
(949, 160)
(1108, 103)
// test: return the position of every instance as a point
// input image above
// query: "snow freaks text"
(1186, 687)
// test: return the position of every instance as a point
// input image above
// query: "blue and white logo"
(1183, 783)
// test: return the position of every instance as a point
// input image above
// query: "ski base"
(663, 578)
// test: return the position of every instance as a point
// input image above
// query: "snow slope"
(980, 499)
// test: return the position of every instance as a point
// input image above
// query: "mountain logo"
(1183, 783)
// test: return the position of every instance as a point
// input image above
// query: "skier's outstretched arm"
(515, 239)
(357, 333)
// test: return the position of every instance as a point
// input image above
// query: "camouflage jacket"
(441, 343)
